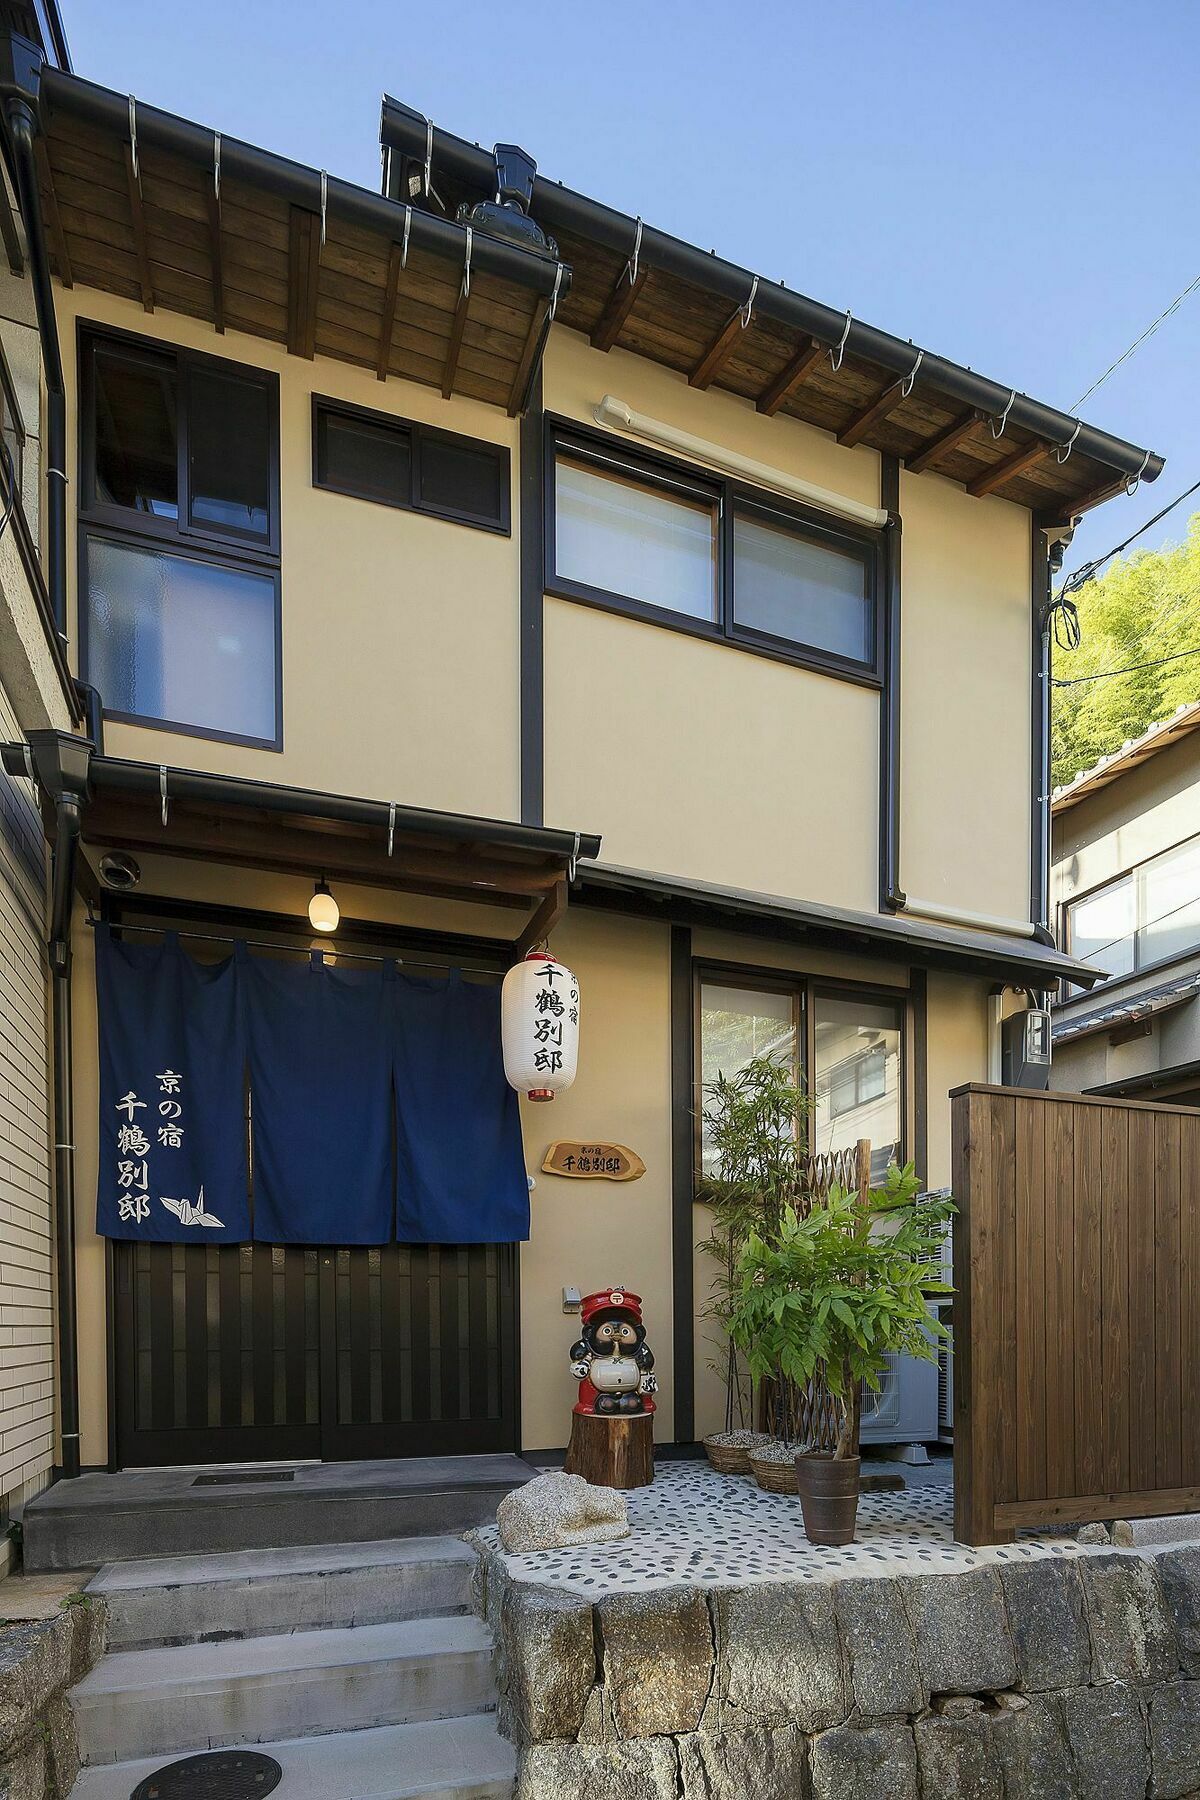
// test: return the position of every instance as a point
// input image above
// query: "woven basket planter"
(773, 1476)
(729, 1451)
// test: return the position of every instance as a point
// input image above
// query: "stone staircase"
(359, 1667)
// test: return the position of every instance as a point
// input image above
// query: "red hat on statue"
(607, 1299)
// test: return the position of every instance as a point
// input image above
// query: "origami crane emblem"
(187, 1214)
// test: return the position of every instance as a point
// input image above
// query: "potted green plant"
(755, 1169)
(837, 1290)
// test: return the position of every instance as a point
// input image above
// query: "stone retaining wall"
(1047, 1679)
(39, 1661)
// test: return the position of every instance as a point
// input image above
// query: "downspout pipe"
(405, 132)
(21, 118)
(60, 763)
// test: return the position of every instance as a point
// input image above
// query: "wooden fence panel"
(1077, 1311)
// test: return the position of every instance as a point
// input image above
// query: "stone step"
(447, 1759)
(1169, 1528)
(263, 1593)
(138, 1513)
(157, 1702)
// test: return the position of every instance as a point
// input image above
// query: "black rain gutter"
(297, 184)
(558, 208)
(20, 104)
(115, 775)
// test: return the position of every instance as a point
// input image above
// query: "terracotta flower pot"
(828, 1496)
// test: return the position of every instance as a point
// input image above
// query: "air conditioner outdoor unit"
(905, 1410)
(946, 1389)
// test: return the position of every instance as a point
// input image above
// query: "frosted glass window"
(1103, 927)
(188, 642)
(857, 1077)
(737, 1025)
(1169, 904)
(801, 591)
(619, 535)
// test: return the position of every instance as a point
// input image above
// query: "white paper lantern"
(539, 1010)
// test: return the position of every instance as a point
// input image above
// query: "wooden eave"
(243, 258)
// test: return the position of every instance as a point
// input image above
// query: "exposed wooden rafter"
(213, 204)
(542, 920)
(790, 378)
(988, 480)
(54, 226)
(387, 323)
(617, 308)
(1063, 510)
(856, 430)
(133, 182)
(954, 434)
(457, 327)
(304, 264)
(719, 351)
(533, 338)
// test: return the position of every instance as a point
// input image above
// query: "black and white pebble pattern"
(693, 1525)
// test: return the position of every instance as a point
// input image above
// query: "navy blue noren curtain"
(461, 1161)
(321, 1101)
(172, 1096)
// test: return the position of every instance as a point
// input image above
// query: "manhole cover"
(216, 1775)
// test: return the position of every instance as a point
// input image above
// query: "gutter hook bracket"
(558, 275)
(1063, 451)
(747, 311)
(324, 203)
(217, 166)
(407, 229)
(391, 826)
(466, 280)
(631, 267)
(1003, 417)
(162, 788)
(906, 386)
(573, 862)
(835, 356)
(1132, 485)
(137, 172)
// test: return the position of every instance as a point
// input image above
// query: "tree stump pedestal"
(613, 1450)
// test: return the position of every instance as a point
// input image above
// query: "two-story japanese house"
(489, 566)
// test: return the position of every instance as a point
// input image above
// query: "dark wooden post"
(613, 1450)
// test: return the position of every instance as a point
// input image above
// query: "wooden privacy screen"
(1077, 1313)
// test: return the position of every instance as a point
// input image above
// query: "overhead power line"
(1087, 571)
(1138, 342)
(1130, 669)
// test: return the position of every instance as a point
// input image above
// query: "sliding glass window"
(1149, 915)
(857, 1089)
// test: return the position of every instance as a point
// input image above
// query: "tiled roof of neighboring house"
(1136, 750)
(1128, 1011)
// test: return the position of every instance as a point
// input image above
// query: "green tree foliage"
(1137, 611)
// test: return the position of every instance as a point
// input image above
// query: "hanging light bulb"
(323, 911)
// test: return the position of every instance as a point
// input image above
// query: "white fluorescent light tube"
(614, 412)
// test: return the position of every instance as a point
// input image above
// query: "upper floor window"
(179, 539)
(398, 462)
(680, 547)
(1148, 915)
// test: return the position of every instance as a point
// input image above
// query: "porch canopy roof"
(144, 204)
(720, 325)
(226, 819)
(1017, 962)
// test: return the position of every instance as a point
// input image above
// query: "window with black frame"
(684, 548)
(419, 468)
(179, 539)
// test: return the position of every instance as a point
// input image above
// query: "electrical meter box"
(1025, 1045)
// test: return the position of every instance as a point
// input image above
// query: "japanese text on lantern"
(553, 1005)
(135, 1146)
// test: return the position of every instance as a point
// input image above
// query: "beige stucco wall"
(399, 631)
(965, 657)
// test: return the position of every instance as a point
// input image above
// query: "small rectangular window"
(738, 1025)
(136, 432)
(856, 1076)
(400, 462)
(229, 454)
(788, 585)
(183, 640)
(634, 539)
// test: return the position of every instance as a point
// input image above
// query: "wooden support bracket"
(790, 378)
(617, 308)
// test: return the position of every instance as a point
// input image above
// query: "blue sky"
(1009, 186)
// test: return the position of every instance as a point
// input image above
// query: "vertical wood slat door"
(1077, 1332)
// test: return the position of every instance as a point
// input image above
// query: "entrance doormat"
(213, 1775)
(235, 1477)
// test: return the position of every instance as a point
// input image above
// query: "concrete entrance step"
(179, 1512)
(158, 1702)
(448, 1759)
(263, 1593)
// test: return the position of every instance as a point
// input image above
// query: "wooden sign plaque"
(593, 1162)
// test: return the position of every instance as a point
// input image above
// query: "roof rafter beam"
(879, 408)
(954, 434)
(542, 920)
(141, 244)
(54, 224)
(213, 205)
(995, 476)
(458, 326)
(1061, 512)
(719, 351)
(792, 376)
(304, 263)
(617, 308)
(533, 340)
(387, 325)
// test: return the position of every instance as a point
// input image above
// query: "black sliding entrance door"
(259, 1352)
